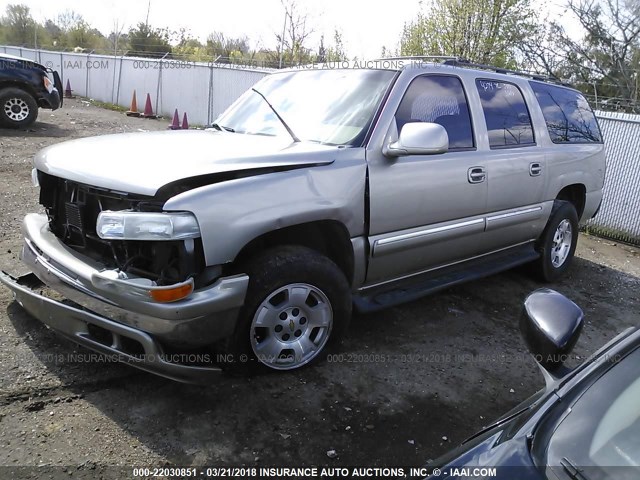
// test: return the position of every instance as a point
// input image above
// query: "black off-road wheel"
(298, 304)
(558, 241)
(18, 109)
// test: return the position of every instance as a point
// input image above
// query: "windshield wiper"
(573, 471)
(221, 128)
(293, 135)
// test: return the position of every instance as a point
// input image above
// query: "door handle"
(535, 169)
(476, 175)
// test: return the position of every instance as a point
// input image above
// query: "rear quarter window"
(567, 113)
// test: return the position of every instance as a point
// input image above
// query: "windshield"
(602, 429)
(335, 107)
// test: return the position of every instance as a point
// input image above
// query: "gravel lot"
(408, 384)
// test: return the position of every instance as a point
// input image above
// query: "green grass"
(106, 105)
(118, 108)
(611, 234)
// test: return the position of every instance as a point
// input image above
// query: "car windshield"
(601, 433)
(335, 107)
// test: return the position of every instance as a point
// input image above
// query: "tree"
(146, 40)
(18, 26)
(482, 31)
(333, 53)
(70, 30)
(227, 48)
(187, 46)
(68, 20)
(607, 55)
(336, 52)
(56, 34)
(117, 40)
(83, 36)
(292, 47)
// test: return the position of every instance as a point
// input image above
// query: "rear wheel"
(298, 303)
(557, 243)
(18, 109)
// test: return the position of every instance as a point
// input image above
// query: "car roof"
(430, 64)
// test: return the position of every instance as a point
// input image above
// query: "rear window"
(506, 114)
(568, 115)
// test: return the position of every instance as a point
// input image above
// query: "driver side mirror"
(419, 138)
(550, 325)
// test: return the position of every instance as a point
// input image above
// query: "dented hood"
(142, 163)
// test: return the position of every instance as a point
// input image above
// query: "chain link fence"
(619, 216)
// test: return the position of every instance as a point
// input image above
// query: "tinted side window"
(506, 114)
(567, 114)
(438, 99)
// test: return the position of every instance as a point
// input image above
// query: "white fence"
(200, 89)
(619, 216)
(206, 90)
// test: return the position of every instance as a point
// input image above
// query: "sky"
(366, 25)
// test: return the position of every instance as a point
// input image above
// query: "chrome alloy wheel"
(16, 109)
(291, 326)
(561, 243)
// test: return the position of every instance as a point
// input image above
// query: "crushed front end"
(134, 277)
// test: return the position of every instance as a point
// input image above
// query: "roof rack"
(460, 62)
(420, 57)
(463, 62)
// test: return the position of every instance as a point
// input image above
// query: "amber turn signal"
(171, 294)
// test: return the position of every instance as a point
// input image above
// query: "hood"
(142, 163)
(28, 61)
(510, 459)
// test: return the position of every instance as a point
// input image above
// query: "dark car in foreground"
(585, 425)
(26, 86)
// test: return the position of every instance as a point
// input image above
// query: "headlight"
(47, 84)
(128, 225)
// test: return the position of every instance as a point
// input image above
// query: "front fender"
(233, 213)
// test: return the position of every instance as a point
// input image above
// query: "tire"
(298, 303)
(18, 109)
(558, 241)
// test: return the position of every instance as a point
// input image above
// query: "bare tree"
(607, 55)
(68, 20)
(292, 46)
(227, 48)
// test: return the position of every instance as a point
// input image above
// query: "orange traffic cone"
(133, 110)
(68, 93)
(185, 122)
(148, 110)
(175, 124)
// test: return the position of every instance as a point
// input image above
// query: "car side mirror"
(550, 325)
(419, 138)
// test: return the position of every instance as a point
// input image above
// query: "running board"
(406, 290)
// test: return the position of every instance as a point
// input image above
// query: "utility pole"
(284, 27)
(146, 22)
(116, 34)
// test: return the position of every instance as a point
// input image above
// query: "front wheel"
(18, 109)
(557, 243)
(298, 302)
